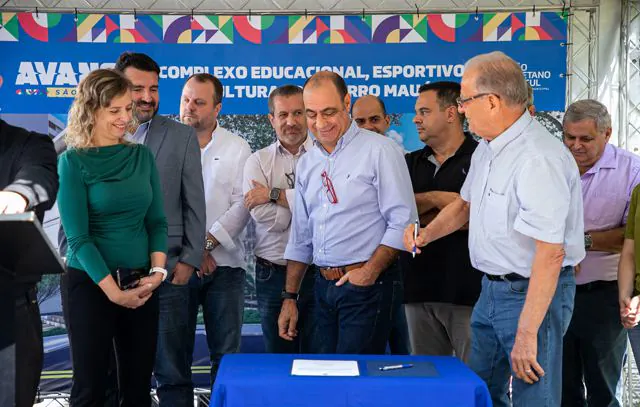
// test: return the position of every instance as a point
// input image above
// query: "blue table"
(252, 380)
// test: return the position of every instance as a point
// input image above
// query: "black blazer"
(28, 166)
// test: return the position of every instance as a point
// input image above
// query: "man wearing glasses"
(353, 198)
(523, 201)
(269, 181)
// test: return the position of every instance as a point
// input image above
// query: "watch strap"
(285, 295)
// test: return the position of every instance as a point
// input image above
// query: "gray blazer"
(177, 152)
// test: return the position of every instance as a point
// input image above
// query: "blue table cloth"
(248, 380)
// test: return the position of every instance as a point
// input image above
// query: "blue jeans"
(354, 319)
(222, 297)
(270, 280)
(594, 348)
(176, 336)
(494, 323)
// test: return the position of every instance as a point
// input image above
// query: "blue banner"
(372, 55)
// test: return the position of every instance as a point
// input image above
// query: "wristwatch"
(588, 241)
(285, 295)
(274, 194)
(208, 244)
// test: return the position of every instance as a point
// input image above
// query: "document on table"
(306, 367)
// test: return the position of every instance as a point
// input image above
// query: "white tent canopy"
(290, 6)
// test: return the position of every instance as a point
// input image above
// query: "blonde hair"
(95, 91)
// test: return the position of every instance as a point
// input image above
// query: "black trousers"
(28, 331)
(95, 325)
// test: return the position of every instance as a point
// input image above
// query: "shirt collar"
(346, 138)
(218, 133)
(608, 160)
(467, 147)
(512, 133)
(304, 147)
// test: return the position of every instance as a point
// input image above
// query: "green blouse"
(111, 208)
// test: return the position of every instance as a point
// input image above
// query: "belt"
(597, 285)
(506, 277)
(336, 273)
(267, 263)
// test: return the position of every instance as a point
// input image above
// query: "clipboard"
(25, 251)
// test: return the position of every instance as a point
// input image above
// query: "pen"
(416, 226)
(395, 367)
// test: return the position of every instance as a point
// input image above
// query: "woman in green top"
(111, 209)
(629, 276)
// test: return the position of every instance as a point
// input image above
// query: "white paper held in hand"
(306, 367)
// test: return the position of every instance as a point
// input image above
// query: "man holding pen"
(523, 201)
(353, 198)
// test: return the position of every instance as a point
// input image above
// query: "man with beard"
(220, 289)
(175, 148)
(269, 181)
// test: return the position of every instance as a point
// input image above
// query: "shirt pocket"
(496, 214)
(603, 213)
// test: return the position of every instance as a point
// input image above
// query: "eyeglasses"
(462, 102)
(331, 193)
(291, 179)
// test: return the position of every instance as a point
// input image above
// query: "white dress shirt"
(268, 167)
(522, 186)
(223, 161)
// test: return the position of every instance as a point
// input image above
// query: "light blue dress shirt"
(522, 186)
(375, 201)
(140, 136)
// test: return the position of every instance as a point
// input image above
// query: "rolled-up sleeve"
(395, 195)
(300, 246)
(544, 194)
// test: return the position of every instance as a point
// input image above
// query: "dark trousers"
(594, 348)
(96, 326)
(399, 338)
(28, 357)
(270, 280)
(353, 319)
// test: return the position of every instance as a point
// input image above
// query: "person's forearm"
(381, 259)
(295, 274)
(158, 259)
(547, 263)
(282, 199)
(109, 287)
(608, 240)
(626, 270)
(427, 201)
(450, 219)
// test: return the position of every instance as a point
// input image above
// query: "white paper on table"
(306, 367)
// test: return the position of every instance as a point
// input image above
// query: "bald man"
(353, 192)
(370, 113)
